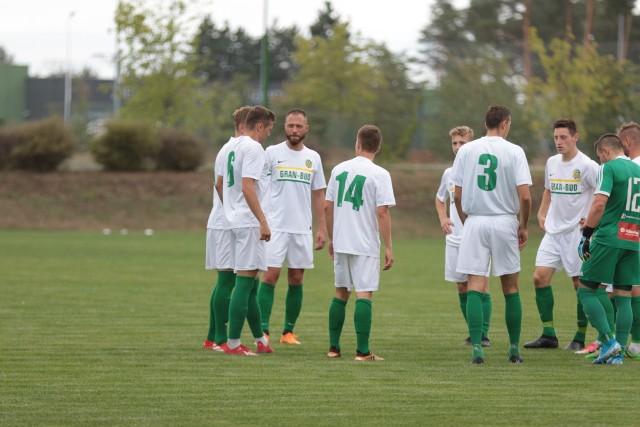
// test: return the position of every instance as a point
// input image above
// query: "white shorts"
(560, 250)
(219, 254)
(296, 249)
(250, 253)
(489, 242)
(359, 272)
(450, 263)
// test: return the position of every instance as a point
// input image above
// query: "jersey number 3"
(487, 180)
(354, 192)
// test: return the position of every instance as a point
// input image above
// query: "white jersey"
(293, 175)
(636, 160)
(216, 217)
(242, 158)
(357, 187)
(571, 185)
(489, 170)
(447, 191)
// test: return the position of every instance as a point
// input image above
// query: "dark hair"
(370, 138)
(496, 114)
(240, 115)
(296, 111)
(259, 114)
(566, 123)
(609, 140)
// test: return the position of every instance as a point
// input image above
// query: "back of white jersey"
(293, 175)
(489, 170)
(216, 217)
(571, 185)
(243, 158)
(357, 187)
(446, 191)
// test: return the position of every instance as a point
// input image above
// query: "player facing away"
(359, 195)
(492, 182)
(242, 193)
(569, 182)
(610, 247)
(296, 182)
(452, 227)
(219, 251)
(629, 134)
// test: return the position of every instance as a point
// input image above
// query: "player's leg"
(487, 308)
(460, 279)
(337, 309)
(475, 316)
(579, 339)
(365, 271)
(627, 272)
(276, 249)
(210, 260)
(254, 320)
(221, 300)
(573, 264)
(512, 314)
(544, 301)
(293, 305)
(634, 348)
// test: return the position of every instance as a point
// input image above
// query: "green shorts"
(611, 265)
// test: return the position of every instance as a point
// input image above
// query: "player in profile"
(359, 195)
(452, 227)
(296, 182)
(492, 182)
(569, 182)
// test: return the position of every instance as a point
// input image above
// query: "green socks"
(635, 325)
(513, 317)
(593, 308)
(487, 307)
(265, 300)
(238, 305)
(463, 305)
(293, 305)
(581, 335)
(253, 311)
(609, 307)
(545, 302)
(221, 298)
(624, 319)
(475, 317)
(337, 311)
(362, 321)
(211, 335)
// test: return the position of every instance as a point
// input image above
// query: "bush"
(8, 140)
(179, 151)
(126, 145)
(39, 146)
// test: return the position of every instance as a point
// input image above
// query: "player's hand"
(320, 240)
(446, 225)
(523, 236)
(388, 259)
(541, 220)
(583, 222)
(330, 247)
(265, 231)
(583, 249)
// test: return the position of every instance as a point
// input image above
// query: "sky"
(48, 34)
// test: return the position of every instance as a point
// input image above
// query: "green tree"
(5, 58)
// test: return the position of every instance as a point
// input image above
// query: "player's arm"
(318, 205)
(544, 208)
(328, 216)
(457, 199)
(219, 187)
(596, 210)
(251, 196)
(384, 223)
(445, 221)
(525, 209)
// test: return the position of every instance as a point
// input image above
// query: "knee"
(295, 277)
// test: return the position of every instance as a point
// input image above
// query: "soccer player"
(629, 133)
(569, 182)
(242, 192)
(452, 227)
(359, 195)
(297, 180)
(218, 251)
(612, 255)
(492, 182)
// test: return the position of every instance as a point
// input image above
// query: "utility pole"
(67, 74)
(264, 63)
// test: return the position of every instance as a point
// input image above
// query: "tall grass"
(107, 330)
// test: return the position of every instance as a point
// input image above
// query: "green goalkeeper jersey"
(619, 179)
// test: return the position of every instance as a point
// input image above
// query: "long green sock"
(226, 282)
(463, 305)
(609, 307)
(266, 294)
(238, 306)
(581, 335)
(293, 305)
(595, 312)
(362, 321)
(635, 325)
(475, 316)
(614, 308)
(513, 317)
(253, 311)
(623, 319)
(545, 303)
(337, 313)
(211, 335)
(487, 308)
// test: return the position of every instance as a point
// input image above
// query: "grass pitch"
(107, 330)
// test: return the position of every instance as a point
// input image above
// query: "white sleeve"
(318, 182)
(523, 175)
(457, 172)
(384, 194)
(547, 183)
(443, 191)
(330, 187)
(253, 162)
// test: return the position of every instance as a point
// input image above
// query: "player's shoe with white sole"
(334, 353)
(608, 350)
(369, 357)
(289, 338)
(590, 349)
(238, 351)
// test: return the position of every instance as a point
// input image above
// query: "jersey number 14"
(353, 194)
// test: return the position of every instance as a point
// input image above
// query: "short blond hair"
(461, 131)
